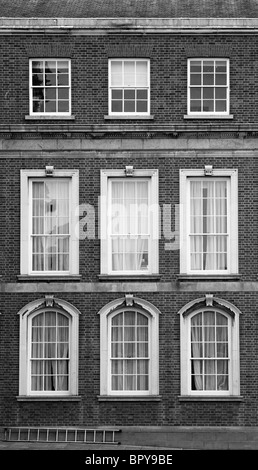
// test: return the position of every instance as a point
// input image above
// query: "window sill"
(128, 116)
(129, 398)
(48, 117)
(208, 116)
(129, 277)
(208, 277)
(49, 398)
(48, 278)
(232, 398)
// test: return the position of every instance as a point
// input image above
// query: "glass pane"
(129, 106)
(63, 93)
(220, 93)
(63, 79)
(116, 106)
(208, 106)
(195, 66)
(116, 73)
(37, 66)
(220, 79)
(221, 66)
(195, 93)
(195, 79)
(141, 107)
(141, 73)
(208, 79)
(129, 318)
(208, 93)
(195, 106)
(129, 73)
(221, 106)
(117, 94)
(37, 79)
(141, 94)
(208, 66)
(129, 94)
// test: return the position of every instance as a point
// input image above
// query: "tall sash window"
(209, 221)
(209, 227)
(50, 225)
(129, 225)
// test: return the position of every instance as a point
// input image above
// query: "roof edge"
(131, 24)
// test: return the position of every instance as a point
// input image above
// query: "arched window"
(49, 354)
(129, 348)
(209, 349)
(48, 349)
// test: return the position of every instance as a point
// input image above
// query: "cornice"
(131, 25)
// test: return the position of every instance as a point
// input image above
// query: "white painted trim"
(232, 174)
(155, 226)
(106, 314)
(26, 314)
(25, 256)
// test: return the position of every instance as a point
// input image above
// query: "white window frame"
(106, 314)
(26, 253)
(152, 175)
(123, 113)
(189, 86)
(31, 87)
(185, 349)
(232, 176)
(26, 314)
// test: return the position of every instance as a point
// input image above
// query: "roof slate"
(129, 8)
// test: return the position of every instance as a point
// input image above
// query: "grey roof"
(129, 8)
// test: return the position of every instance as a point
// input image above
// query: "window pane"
(208, 106)
(195, 79)
(141, 107)
(141, 74)
(220, 106)
(195, 106)
(116, 73)
(129, 73)
(129, 106)
(117, 94)
(117, 106)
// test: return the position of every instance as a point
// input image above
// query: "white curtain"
(129, 226)
(129, 352)
(209, 351)
(50, 225)
(50, 352)
(208, 225)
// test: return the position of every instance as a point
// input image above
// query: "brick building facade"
(149, 321)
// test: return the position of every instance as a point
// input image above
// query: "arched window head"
(48, 348)
(129, 348)
(209, 348)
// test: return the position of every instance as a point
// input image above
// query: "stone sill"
(132, 277)
(129, 398)
(49, 118)
(128, 116)
(49, 398)
(208, 116)
(65, 278)
(208, 277)
(211, 398)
